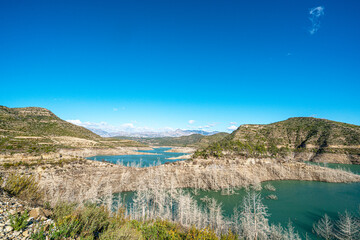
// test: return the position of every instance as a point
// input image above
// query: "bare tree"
(276, 232)
(253, 217)
(290, 233)
(348, 227)
(324, 228)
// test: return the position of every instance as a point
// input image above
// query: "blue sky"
(139, 65)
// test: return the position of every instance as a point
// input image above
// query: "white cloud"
(76, 122)
(233, 123)
(315, 15)
(128, 125)
(100, 125)
(115, 109)
(232, 127)
(204, 127)
(131, 126)
(191, 121)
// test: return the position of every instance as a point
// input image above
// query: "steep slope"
(37, 130)
(304, 138)
(35, 121)
(194, 140)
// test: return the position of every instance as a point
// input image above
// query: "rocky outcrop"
(326, 157)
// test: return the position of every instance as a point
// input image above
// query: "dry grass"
(24, 187)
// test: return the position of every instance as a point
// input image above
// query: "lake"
(160, 156)
(301, 202)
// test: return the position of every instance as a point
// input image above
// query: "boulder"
(35, 213)
(39, 212)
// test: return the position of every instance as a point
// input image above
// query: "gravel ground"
(12, 206)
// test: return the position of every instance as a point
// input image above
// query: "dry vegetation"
(78, 179)
(158, 212)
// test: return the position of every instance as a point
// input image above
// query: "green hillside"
(302, 134)
(38, 130)
(34, 121)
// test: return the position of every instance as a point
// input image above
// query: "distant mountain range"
(193, 140)
(149, 134)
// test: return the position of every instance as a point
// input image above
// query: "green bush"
(39, 233)
(19, 221)
(86, 221)
(68, 227)
(125, 231)
(204, 234)
(24, 187)
(158, 230)
(94, 219)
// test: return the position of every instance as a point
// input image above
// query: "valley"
(77, 165)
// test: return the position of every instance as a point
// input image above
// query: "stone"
(8, 228)
(47, 213)
(26, 233)
(39, 212)
(35, 213)
(12, 212)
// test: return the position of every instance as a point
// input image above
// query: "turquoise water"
(160, 157)
(348, 167)
(301, 202)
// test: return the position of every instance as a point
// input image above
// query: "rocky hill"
(35, 121)
(37, 130)
(302, 138)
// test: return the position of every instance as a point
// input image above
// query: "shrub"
(24, 187)
(121, 232)
(86, 221)
(205, 234)
(19, 221)
(93, 219)
(158, 230)
(68, 228)
(39, 233)
(63, 209)
(229, 236)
